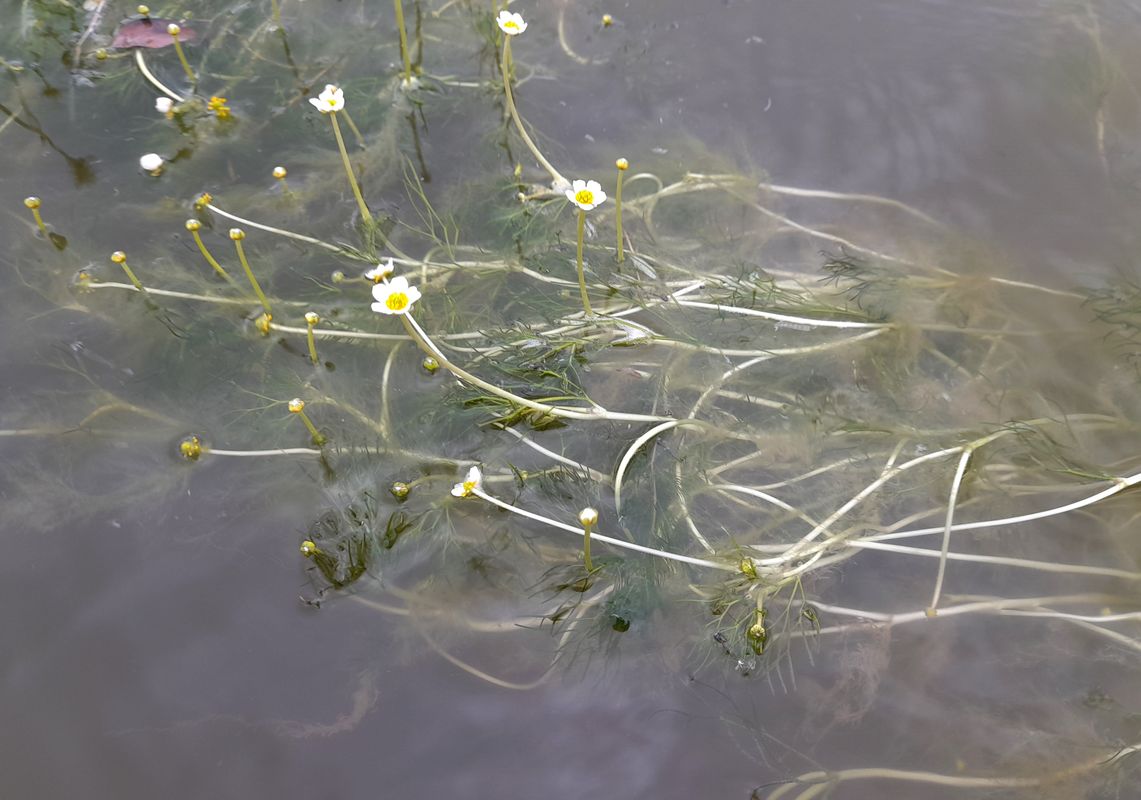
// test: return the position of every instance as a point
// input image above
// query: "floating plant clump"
(703, 414)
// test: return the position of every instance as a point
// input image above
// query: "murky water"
(956, 320)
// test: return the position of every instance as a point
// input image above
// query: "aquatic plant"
(756, 406)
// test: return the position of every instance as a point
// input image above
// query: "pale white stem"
(951, 500)
(597, 537)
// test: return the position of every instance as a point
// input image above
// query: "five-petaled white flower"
(380, 272)
(332, 99)
(163, 105)
(152, 163)
(510, 23)
(586, 194)
(394, 297)
(471, 483)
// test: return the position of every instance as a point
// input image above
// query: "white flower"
(394, 297)
(510, 23)
(332, 99)
(473, 481)
(380, 272)
(152, 163)
(586, 194)
(163, 105)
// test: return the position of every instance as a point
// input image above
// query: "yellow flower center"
(398, 301)
(332, 101)
(585, 197)
(513, 25)
(469, 487)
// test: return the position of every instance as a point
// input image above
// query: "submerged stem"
(581, 274)
(555, 174)
(349, 170)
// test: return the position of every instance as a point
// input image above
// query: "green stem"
(399, 4)
(276, 12)
(134, 279)
(618, 217)
(349, 170)
(555, 174)
(312, 347)
(250, 276)
(581, 274)
(185, 64)
(316, 435)
(209, 258)
(40, 222)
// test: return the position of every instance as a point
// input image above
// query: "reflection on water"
(879, 266)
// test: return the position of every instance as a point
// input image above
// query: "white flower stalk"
(470, 484)
(587, 195)
(330, 100)
(394, 297)
(152, 163)
(163, 105)
(511, 23)
(380, 272)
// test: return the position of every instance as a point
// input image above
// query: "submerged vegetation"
(680, 409)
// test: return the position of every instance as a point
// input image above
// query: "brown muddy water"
(880, 262)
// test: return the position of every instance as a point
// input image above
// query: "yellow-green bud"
(279, 173)
(400, 490)
(144, 10)
(607, 20)
(430, 364)
(190, 448)
(748, 568)
(173, 29)
(311, 318)
(32, 202)
(193, 225)
(237, 234)
(309, 548)
(622, 164)
(338, 276)
(262, 323)
(101, 54)
(588, 517)
(296, 405)
(119, 257)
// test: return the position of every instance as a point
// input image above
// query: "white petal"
(458, 490)
(413, 294)
(578, 185)
(398, 284)
(570, 196)
(381, 308)
(316, 101)
(599, 197)
(474, 476)
(594, 186)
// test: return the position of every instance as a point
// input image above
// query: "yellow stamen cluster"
(585, 196)
(218, 106)
(397, 301)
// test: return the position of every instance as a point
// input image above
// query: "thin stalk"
(419, 336)
(581, 273)
(697, 562)
(250, 277)
(618, 211)
(316, 435)
(403, 40)
(349, 170)
(141, 63)
(555, 174)
(185, 64)
(951, 501)
(209, 258)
